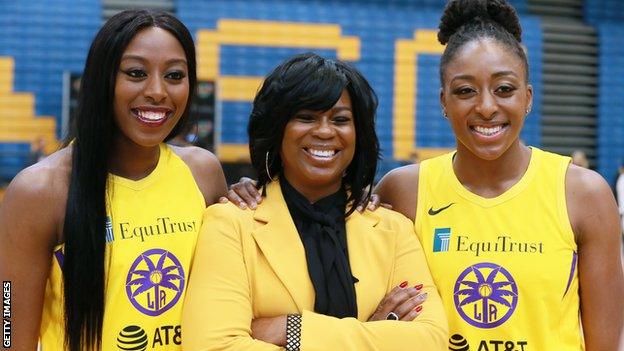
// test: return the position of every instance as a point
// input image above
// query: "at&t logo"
(485, 295)
(155, 282)
(458, 343)
(134, 338)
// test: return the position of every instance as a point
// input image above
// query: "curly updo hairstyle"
(311, 82)
(464, 21)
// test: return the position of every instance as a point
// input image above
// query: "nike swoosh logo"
(433, 212)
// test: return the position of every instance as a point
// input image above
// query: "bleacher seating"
(611, 99)
(378, 25)
(43, 39)
(18, 124)
(46, 38)
(599, 12)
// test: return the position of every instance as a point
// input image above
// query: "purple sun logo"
(485, 295)
(155, 282)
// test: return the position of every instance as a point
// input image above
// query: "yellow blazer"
(250, 264)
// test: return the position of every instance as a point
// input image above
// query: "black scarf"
(322, 230)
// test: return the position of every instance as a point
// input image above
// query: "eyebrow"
(504, 73)
(143, 59)
(341, 108)
(495, 75)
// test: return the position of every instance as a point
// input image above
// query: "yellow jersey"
(151, 233)
(505, 267)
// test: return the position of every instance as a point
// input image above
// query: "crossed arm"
(219, 302)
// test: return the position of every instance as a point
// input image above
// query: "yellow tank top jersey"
(151, 233)
(505, 266)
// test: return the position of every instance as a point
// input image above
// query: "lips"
(321, 154)
(151, 116)
(489, 131)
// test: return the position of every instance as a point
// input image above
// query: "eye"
(341, 119)
(305, 117)
(135, 73)
(175, 75)
(464, 91)
(505, 89)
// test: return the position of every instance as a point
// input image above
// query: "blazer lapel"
(280, 243)
(371, 251)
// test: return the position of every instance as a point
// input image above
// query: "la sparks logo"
(155, 282)
(485, 295)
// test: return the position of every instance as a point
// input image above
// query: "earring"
(266, 165)
(445, 115)
(528, 110)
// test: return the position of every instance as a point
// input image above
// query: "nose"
(486, 105)
(324, 129)
(155, 90)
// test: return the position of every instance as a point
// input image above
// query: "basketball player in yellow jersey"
(518, 240)
(97, 239)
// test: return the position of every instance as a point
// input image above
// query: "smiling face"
(151, 88)
(485, 96)
(317, 148)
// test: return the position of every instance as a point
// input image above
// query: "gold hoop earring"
(266, 166)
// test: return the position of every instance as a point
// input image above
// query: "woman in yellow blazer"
(304, 271)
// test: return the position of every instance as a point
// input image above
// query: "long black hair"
(464, 21)
(309, 81)
(91, 135)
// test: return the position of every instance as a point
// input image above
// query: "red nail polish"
(418, 308)
(418, 287)
(403, 285)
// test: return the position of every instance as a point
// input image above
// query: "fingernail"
(243, 206)
(403, 285)
(371, 207)
(253, 205)
(418, 287)
(258, 199)
(418, 308)
(359, 208)
(223, 200)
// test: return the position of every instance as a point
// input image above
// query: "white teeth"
(151, 115)
(488, 131)
(322, 153)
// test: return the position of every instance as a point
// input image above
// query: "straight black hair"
(311, 82)
(91, 134)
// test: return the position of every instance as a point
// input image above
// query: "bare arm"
(595, 221)
(399, 188)
(206, 170)
(29, 227)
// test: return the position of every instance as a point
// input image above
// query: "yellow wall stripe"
(6, 79)
(238, 88)
(18, 123)
(233, 152)
(405, 90)
(261, 33)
